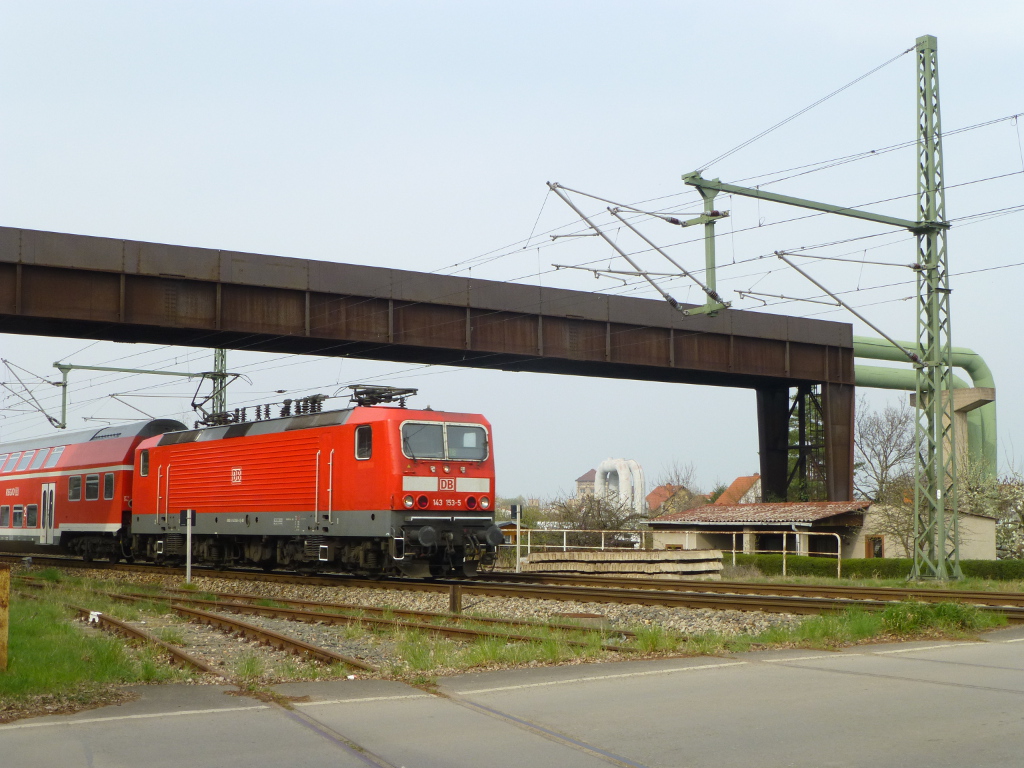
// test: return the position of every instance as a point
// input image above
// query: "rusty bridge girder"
(54, 284)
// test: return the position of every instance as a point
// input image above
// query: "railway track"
(179, 604)
(737, 596)
(421, 615)
(852, 592)
(123, 628)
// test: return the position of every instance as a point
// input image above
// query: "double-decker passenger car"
(371, 489)
(72, 489)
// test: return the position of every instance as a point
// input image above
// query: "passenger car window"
(108, 486)
(25, 458)
(11, 461)
(364, 442)
(5, 516)
(32, 516)
(18, 512)
(37, 462)
(54, 456)
(75, 488)
(3, 459)
(92, 487)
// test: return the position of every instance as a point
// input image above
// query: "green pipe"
(877, 377)
(981, 376)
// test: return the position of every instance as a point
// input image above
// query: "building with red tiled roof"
(744, 490)
(660, 495)
(670, 497)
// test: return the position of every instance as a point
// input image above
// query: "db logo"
(236, 475)
(447, 483)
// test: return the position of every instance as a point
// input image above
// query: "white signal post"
(188, 517)
(517, 513)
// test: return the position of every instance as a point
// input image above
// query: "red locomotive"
(371, 489)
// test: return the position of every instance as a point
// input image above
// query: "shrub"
(1006, 570)
(871, 568)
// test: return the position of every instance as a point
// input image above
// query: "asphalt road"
(916, 704)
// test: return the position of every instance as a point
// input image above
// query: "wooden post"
(5, 594)
(455, 599)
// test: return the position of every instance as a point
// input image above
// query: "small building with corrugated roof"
(806, 527)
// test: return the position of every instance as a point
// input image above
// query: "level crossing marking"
(923, 648)
(88, 720)
(603, 677)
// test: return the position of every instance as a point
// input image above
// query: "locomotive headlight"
(485, 503)
(408, 501)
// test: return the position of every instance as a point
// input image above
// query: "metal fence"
(838, 554)
(529, 540)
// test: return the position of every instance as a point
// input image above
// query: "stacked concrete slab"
(670, 564)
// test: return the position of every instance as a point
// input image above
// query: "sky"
(420, 136)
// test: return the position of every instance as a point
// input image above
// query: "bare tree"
(680, 475)
(883, 444)
(883, 451)
(884, 472)
(892, 514)
(682, 479)
(593, 513)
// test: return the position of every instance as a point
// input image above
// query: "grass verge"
(53, 659)
(56, 667)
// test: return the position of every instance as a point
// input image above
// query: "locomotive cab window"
(75, 488)
(5, 516)
(54, 456)
(92, 487)
(144, 463)
(32, 515)
(364, 442)
(19, 511)
(466, 443)
(37, 462)
(453, 442)
(423, 441)
(108, 486)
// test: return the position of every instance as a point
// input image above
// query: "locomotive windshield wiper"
(407, 448)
